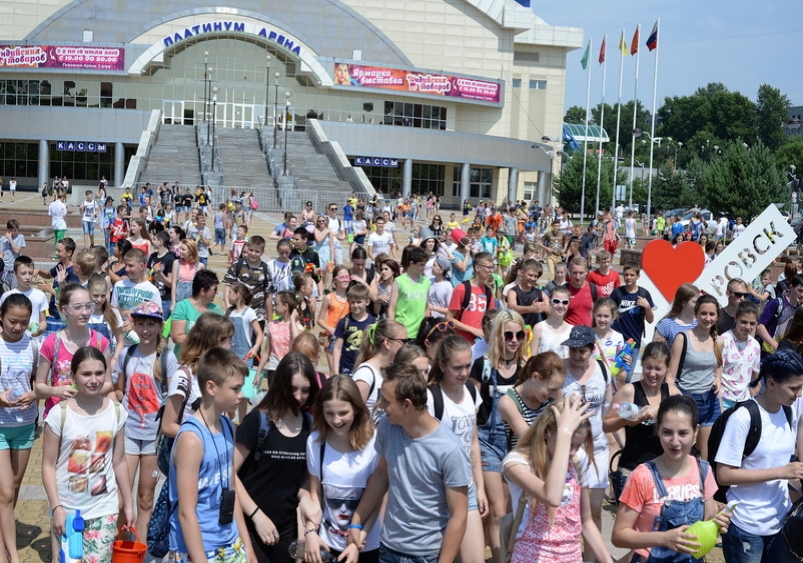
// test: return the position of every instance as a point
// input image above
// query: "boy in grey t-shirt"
(425, 472)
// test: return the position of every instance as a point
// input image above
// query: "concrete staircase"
(312, 169)
(244, 165)
(173, 157)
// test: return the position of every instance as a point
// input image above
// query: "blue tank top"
(213, 475)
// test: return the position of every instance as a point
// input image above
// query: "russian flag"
(652, 40)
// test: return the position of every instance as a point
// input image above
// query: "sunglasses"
(442, 326)
(519, 336)
(740, 294)
(560, 301)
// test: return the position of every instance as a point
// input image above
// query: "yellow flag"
(623, 44)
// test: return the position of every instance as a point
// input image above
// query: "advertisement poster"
(50, 56)
(418, 82)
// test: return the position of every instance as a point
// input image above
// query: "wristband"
(251, 516)
(355, 526)
(52, 510)
(311, 530)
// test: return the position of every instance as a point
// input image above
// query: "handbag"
(792, 530)
(509, 527)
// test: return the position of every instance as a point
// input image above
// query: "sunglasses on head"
(442, 326)
(518, 335)
(560, 301)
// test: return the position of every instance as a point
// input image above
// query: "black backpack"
(750, 442)
(467, 296)
(437, 397)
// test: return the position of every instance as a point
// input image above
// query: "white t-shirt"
(178, 385)
(740, 359)
(246, 317)
(479, 349)
(345, 476)
(762, 506)
(460, 418)
(630, 227)
(373, 378)
(380, 243)
(38, 300)
(88, 208)
(84, 471)
(126, 295)
(17, 361)
(57, 211)
(281, 274)
(440, 294)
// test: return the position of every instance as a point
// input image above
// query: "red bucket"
(129, 551)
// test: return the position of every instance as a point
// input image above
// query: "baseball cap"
(148, 309)
(580, 336)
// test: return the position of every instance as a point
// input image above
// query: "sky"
(740, 44)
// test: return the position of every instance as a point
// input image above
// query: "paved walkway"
(33, 521)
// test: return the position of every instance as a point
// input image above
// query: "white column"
(407, 177)
(512, 184)
(465, 182)
(119, 164)
(44, 164)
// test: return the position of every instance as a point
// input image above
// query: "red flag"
(634, 44)
(602, 50)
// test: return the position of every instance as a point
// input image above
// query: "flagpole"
(652, 127)
(585, 142)
(601, 121)
(635, 113)
(623, 51)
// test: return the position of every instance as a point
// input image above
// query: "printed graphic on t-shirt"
(86, 465)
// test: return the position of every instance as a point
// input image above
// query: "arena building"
(458, 97)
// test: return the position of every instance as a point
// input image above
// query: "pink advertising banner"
(50, 56)
(418, 82)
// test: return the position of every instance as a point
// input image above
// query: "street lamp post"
(214, 112)
(206, 78)
(287, 96)
(275, 109)
(207, 97)
(267, 91)
(677, 145)
(636, 133)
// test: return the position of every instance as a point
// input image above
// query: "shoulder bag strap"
(523, 499)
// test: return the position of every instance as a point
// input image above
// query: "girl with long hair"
(452, 399)
(324, 246)
(544, 473)
(680, 317)
(651, 521)
(431, 332)
(280, 332)
(493, 375)
(139, 237)
(105, 319)
(270, 459)
(539, 384)
(340, 460)
(381, 286)
(549, 334)
(184, 270)
(696, 367)
(334, 307)
(380, 343)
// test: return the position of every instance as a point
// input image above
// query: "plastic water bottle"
(627, 410)
(13, 395)
(297, 547)
(33, 327)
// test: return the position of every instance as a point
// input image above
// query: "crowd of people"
(421, 388)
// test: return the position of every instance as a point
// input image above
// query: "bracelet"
(355, 526)
(254, 513)
(311, 530)
(52, 510)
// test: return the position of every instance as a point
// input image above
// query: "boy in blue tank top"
(209, 525)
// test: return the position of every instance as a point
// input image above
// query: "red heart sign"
(670, 267)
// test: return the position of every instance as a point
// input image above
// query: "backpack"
(750, 442)
(467, 296)
(437, 397)
(254, 204)
(772, 322)
(265, 273)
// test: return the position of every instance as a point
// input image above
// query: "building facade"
(408, 81)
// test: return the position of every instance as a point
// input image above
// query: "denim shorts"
(140, 447)
(708, 408)
(89, 227)
(472, 498)
(492, 451)
(17, 437)
(740, 546)
(387, 555)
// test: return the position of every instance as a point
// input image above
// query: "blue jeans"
(220, 236)
(387, 555)
(166, 304)
(739, 546)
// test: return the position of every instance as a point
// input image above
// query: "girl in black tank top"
(641, 443)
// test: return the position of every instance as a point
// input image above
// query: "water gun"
(72, 541)
(619, 363)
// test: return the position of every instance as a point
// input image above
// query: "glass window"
(530, 190)
(517, 82)
(537, 84)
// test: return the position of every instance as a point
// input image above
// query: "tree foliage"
(743, 181)
(575, 114)
(569, 183)
(771, 115)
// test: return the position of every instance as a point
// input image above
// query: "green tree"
(791, 154)
(771, 114)
(575, 114)
(568, 184)
(742, 181)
